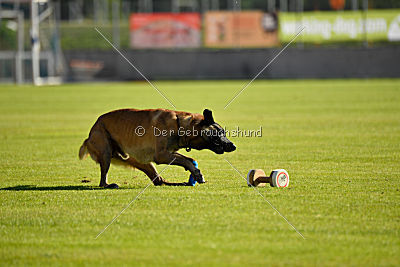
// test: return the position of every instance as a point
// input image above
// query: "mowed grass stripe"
(338, 139)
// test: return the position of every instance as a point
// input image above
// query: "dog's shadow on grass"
(55, 188)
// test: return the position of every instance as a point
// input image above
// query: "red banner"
(165, 30)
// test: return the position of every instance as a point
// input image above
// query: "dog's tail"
(83, 151)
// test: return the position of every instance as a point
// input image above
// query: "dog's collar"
(185, 143)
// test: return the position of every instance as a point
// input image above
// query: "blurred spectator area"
(79, 17)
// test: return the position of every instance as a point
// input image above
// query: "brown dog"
(136, 138)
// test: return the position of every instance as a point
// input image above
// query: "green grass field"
(338, 139)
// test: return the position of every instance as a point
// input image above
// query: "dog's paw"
(159, 181)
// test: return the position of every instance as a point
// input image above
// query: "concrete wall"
(240, 63)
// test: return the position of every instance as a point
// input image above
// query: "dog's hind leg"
(100, 149)
(104, 161)
(151, 172)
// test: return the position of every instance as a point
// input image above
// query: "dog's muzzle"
(229, 147)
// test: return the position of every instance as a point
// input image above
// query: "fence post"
(19, 66)
(35, 43)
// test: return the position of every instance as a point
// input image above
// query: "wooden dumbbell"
(277, 178)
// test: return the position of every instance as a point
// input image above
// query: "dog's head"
(209, 135)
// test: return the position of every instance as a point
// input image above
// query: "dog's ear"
(208, 117)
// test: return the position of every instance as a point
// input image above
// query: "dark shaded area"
(49, 188)
(63, 188)
(293, 63)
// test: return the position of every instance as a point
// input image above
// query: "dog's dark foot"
(158, 182)
(111, 186)
(198, 177)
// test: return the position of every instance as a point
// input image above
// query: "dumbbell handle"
(263, 179)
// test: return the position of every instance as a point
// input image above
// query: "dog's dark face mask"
(214, 136)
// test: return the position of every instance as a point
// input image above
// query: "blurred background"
(50, 42)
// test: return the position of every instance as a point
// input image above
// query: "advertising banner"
(165, 30)
(327, 26)
(240, 29)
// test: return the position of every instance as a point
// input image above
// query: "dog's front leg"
(186, 157)
(165, 157)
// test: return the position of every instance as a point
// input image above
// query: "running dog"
(137, 138)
